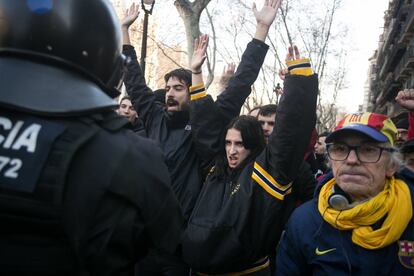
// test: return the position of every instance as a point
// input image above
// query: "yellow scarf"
(394, 202)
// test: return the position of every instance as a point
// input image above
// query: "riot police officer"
(79, 194)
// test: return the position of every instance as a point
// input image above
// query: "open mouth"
(232, 160)
(171, 102)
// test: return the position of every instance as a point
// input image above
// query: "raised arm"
(247, 223)
(405, 98)
(205, 125)
(277, 166)
(197, 60)
(209, 121)
(233, 97)
(130, 17)
(141, 95)
(265, 18)
(295, 119)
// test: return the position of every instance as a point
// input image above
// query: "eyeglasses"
(365, 153)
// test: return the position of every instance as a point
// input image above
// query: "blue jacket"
(311, 246)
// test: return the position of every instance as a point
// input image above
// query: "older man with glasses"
(360, 222)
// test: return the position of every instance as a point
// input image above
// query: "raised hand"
(292, 54)
(283, 73)
(405, 98)
(228, 72)
(130, 16)
(199, 54)
(267, 14)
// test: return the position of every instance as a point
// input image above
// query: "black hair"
(253, 140)
(324, 134)
(125, 98)
(407, 147)
(401, 120)
(268, 110)
(181, 74)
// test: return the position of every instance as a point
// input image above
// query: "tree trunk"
(190, 13)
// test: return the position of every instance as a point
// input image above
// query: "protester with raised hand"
(239, 214)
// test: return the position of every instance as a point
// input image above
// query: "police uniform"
(77, 193)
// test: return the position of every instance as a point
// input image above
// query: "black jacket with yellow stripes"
(237, 220)
(186, 157)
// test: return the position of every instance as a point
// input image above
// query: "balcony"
(384, 67)
(388, 80)
(403, 10)
(392, 58)
(406, 65)
(408, 27)
(389, 33)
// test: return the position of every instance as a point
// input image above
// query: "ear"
(329, 161)
(390, 172)
(392, 168)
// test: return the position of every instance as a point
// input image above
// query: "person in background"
(407, 151)
(266, 118)
(320, 154)
(401, 123)
(127, 110)
(320, 145)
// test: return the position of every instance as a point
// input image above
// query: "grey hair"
(395, 159)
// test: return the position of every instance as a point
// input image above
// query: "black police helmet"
(82, 37)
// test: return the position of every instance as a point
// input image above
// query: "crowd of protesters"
(172, 182)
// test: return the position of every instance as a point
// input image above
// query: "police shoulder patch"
(25, 142)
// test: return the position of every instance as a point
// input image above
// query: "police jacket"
(186, 158)
(238, 218)
(311, 246)
(79, 194)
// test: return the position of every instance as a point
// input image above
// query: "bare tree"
(190, 13)
(327, 55)
(230, 25)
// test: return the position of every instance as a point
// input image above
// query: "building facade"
(392, 66)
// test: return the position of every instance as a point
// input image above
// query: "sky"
(365, 20)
